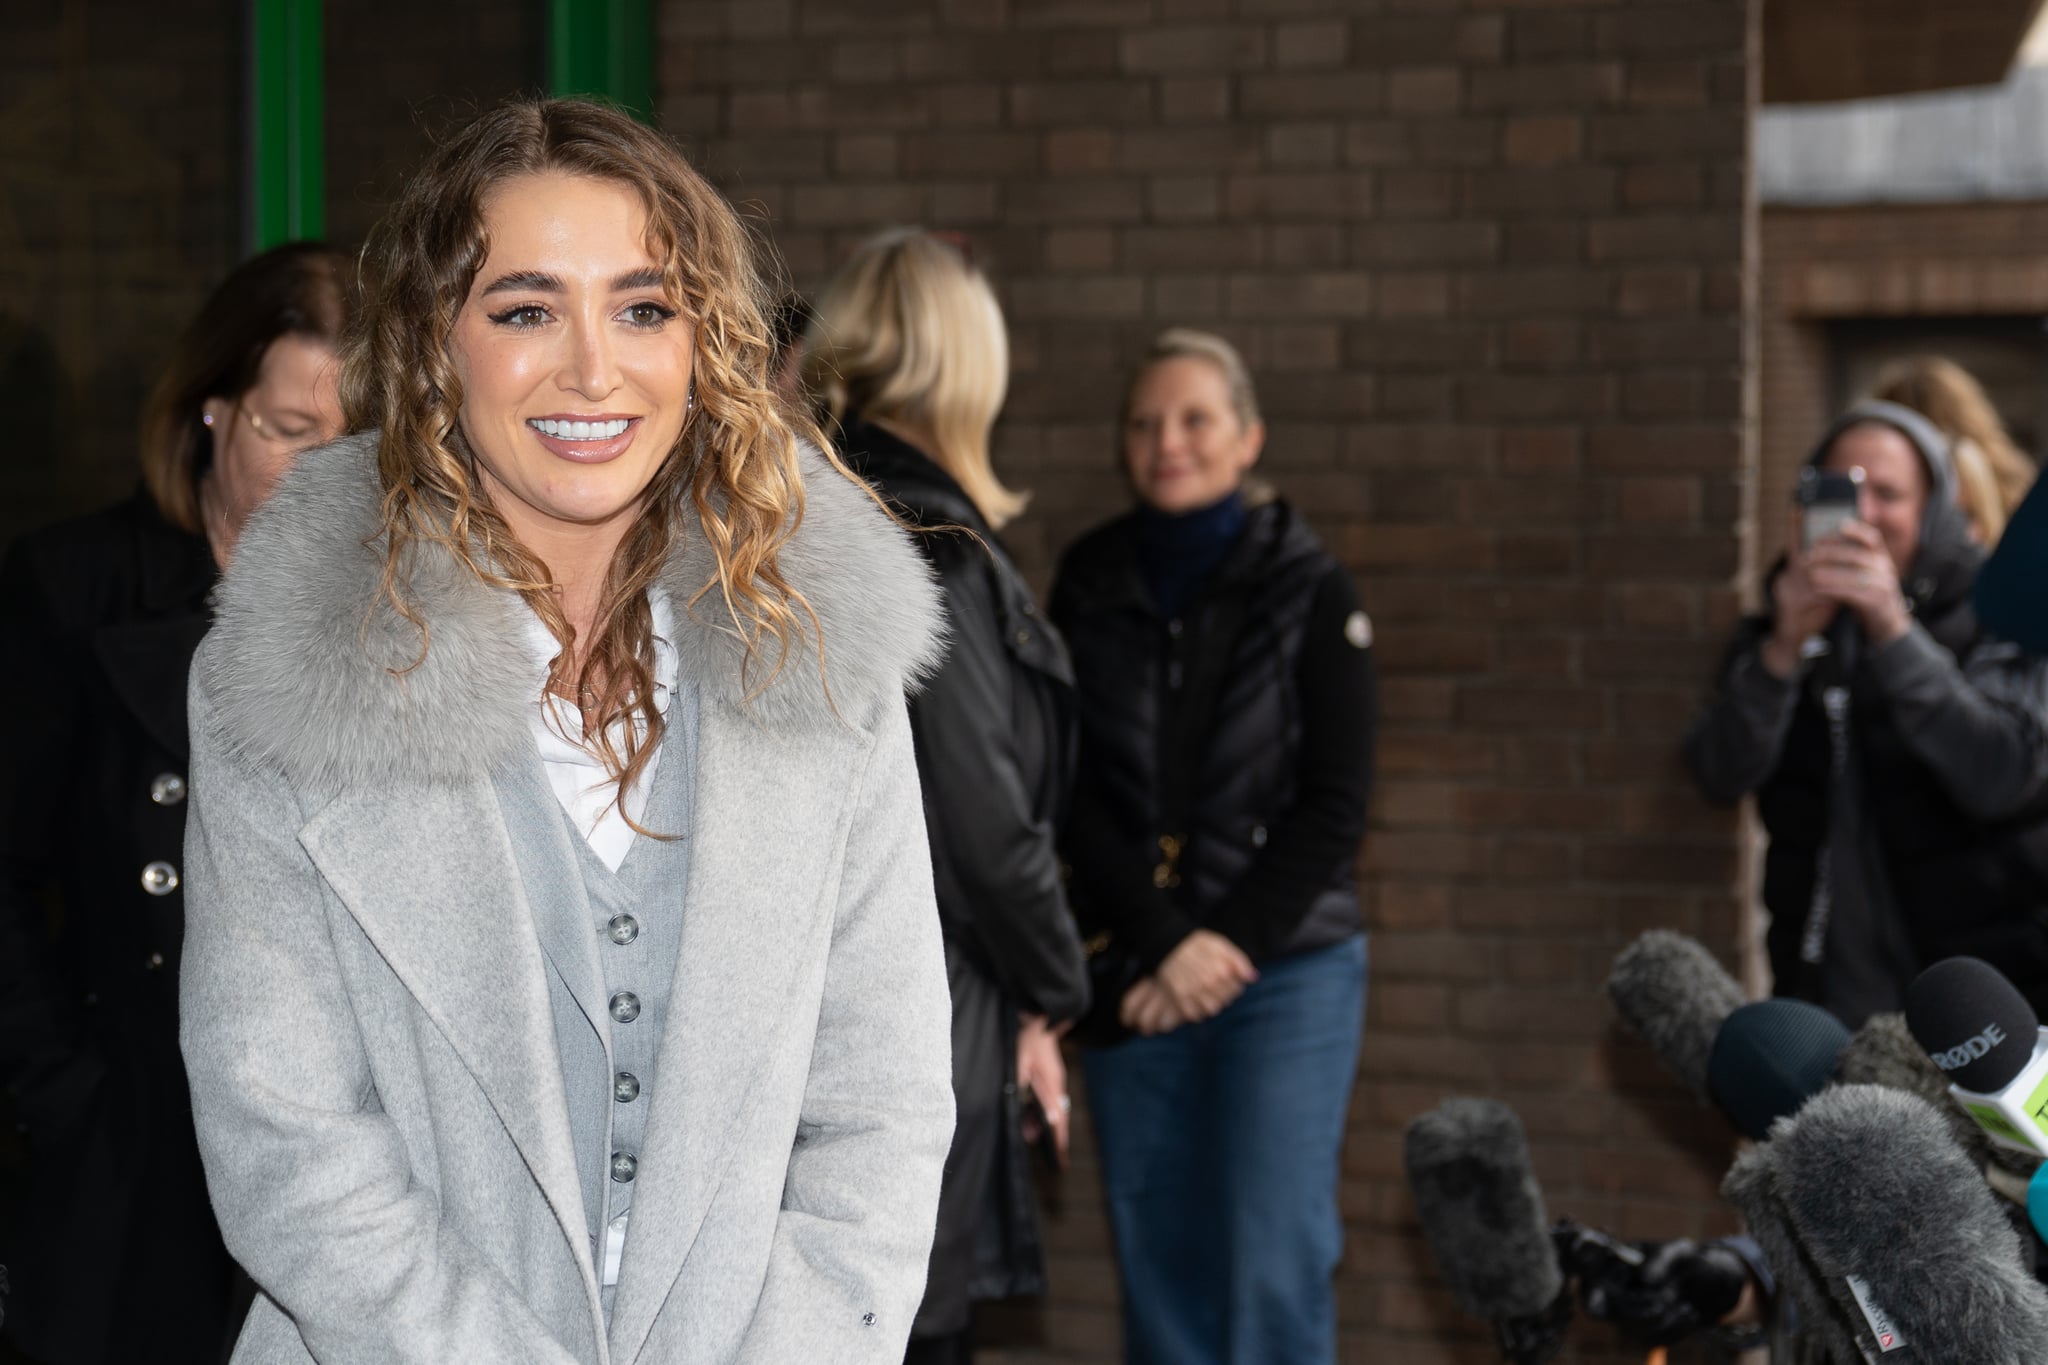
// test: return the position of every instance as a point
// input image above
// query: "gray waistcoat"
(611, 941)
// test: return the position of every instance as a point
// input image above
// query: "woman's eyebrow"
(524, 282)
(646, 277)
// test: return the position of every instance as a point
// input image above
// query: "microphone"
(1884, 1052)
(1978, 1028)
(1769, 1058)
(1482, 1215)
(1671, 993)
(1887, 1237)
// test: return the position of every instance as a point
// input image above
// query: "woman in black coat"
(1226, 697)
(909, 356)
(110, 1246)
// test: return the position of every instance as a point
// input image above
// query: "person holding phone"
(1897, 751)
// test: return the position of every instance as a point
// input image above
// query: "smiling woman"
(563, 979)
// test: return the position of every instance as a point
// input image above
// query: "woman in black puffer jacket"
(1226, 697)
(909, 356)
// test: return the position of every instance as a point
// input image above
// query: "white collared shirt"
(587, 792)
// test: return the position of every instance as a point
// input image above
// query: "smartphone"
(1829, 501)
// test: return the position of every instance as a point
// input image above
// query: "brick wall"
(1819, 265)
(1492, 263)
(121, 164)
(118, 196)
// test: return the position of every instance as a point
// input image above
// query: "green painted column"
(287, 122)
(603, 48)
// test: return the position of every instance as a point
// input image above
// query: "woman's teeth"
(579, 431)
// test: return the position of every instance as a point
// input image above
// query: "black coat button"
(625, 1087)
(167, 789)
(625, 1006)
(624, 1167)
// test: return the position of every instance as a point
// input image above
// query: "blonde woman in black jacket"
(909, 356)
(1226, 697)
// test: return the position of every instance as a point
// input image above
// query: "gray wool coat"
(365, 1007)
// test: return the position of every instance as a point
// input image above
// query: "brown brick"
(1177, 198)
(1305, 246)
(1211, 149)
(1458, 142)
(1080, 249)
(1311, 43)
(1079, 152)
(1308, 94)
(1194, 99)
(1212, 247)
(1667, 289)
(1541, 139)
(1195, 48)
(1086, 296)
(1083, 102)
(1543, 343)
(1425, 90)
(1294, 145)
(1418, 194)
(1688, 238)
(1651, 136)
(1560, 85)
(1399, 244)
(1301, 194)
(1056, 201)
(1379, 142)
(864, 155)
(947, 154)
(967, 106)
(1404, 344)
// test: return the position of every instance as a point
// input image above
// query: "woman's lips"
(587, 451)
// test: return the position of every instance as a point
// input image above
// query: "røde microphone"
(1482, 1215)
(1886, 1236)
(1672, 994)
(1982, 1032)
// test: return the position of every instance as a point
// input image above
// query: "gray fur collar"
(298, 664)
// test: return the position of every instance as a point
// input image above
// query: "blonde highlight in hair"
(735, 463)
(1992, 473)
(1189, 343)
(910, 332)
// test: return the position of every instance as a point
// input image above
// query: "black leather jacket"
(993, 732)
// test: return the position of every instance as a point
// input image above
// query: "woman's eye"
(523, 315)
(648, 314)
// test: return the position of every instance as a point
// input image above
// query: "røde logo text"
(1970, 1049)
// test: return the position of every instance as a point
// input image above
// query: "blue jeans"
(1220, 1149)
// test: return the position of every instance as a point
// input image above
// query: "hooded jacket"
(1904, 788)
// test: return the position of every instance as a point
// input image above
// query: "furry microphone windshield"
(1671, 993)
(1885, 1232)
(1481, 1210)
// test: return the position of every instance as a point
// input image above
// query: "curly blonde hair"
(1992, 473)
(736, 459)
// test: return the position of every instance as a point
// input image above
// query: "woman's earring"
(206, 419)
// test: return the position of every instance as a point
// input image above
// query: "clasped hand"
(1196, 981)
(1852, 570)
